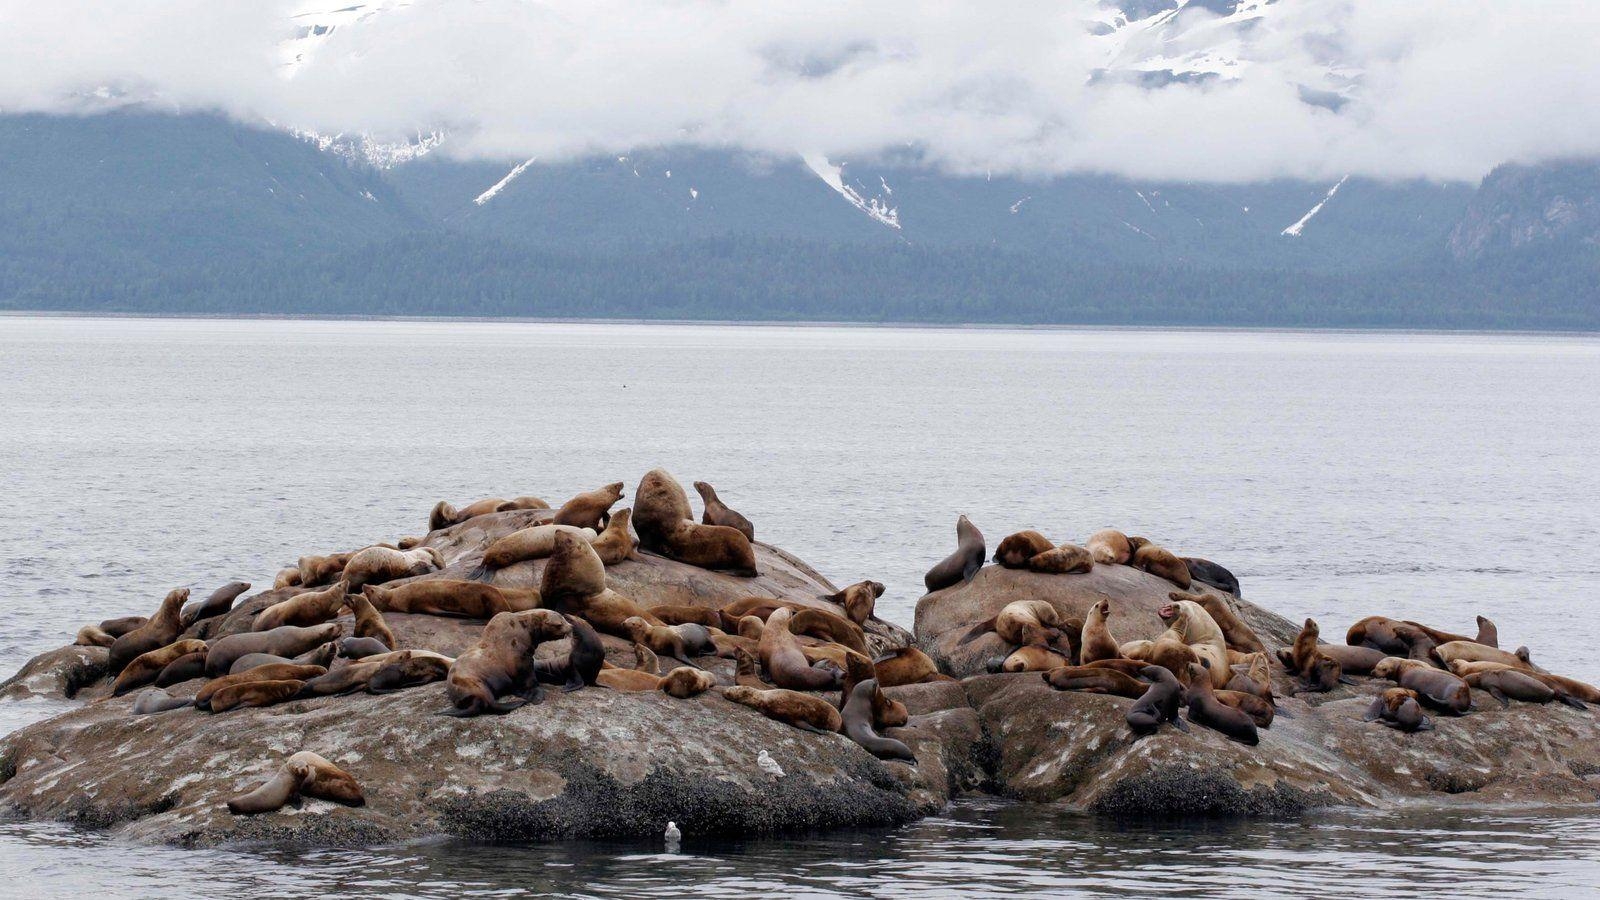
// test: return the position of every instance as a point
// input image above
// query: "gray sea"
(1430, 476)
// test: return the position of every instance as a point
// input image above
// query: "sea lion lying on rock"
(1066, 559)
(1570, 687)
(1159, 561)
(147, 667)
(857, 723)
(1434, 688)
(275, 672)
(963, 563)
(303, 609)
(412, 670)
(254, 694)
(158, 631)
(1207, 572)
(786, 664)
(1205, 709)
(664, 521)
(906, 665)
(375, 565)
(1029, 659)
(807, 712)
(286, 641)
(590, 509)
(451, 597)
(574, 582)
(827, 626)
(303, 774)
(93, 636)
(1022, 623)
(1016, 549)
(1398, 708)
(501, 662)
(535, 542)
(445, 515)
(155, 700)
(1095, 680)
(188, 666)
(319, 571)
(719, 513)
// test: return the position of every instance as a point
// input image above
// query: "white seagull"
(769, 765)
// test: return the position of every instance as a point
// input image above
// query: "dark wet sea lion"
(684, 682)
(303, 609)
(574, 582)
(1488, 634)
(719, 513)
(1159, 561)
(254, 694)
(1094, 680)
(804, 711)
(1398, 708)
(1159, 703)
(376, 565)
(1109, 547)
(147, 667)
(859, 600)
(303, 774)
(1016, 549)
(590, 509)
(1235, 632)
(286, 641)
(220, 601)
(185, 667)
(1207, 572)
(450, 597)
(155, 700)
(857, 724)
(582, 664)
(501, 662)
(963, 563)
(785, 663)
(663, 519)
(1097, 641)
(1205, 709)
(1435, 688)
(346, 679)
(360, 647)
(160, 630)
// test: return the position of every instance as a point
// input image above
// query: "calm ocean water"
(1430, 476)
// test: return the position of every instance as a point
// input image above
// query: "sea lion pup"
(146, 667)
(450, 597)
(501, 662)
(1067, 559)
(615, 543)
(516, 503)
(413, 671)
(317, 571)
(303, 609)
(286, 577)
(906, 665)
(828, 626)
(1253, 677)
(671, 614)
(1472, 651)
(856, 720)
(534, 542)
(1317, 671)
(220, 601)
(304, 773)
(1016, 549)
(807, 712)
(444, 515)
(1207, 572)
(586, 655)
(1235, 633)
(1021, 622)
(590, 509)
(155, 700)
(251, 694)
(1098, 642)
(859, 600)
(1029, 659)
(375, 565)
(288, 640)
(1205, 709)
(1488, 634)
(93, 636)
(719, 513)
(684, 682)
(276, 672)
(185, 667)
(1260, 711)
(1109, 546)
(1159, 561)
(1398, 708)
(663, 640)
(574, 582)
(1435, 688)
(361, 647)
(662, 517)
(963, 563)
(1159, 703)
(785, 663)
(121, 626)
(162, 629)
(1094, 680)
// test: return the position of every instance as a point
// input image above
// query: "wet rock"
(59, 674)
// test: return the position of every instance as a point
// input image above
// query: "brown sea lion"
(501, 662)
(804, 711)
(254, 694)
(628, 681)
(162, 629)
(734, 613)
(278, 672)
(318, 571)
(535, 542)
(746, 670)
(321, 655)
(828, 626)
(1189, 623)
(451, 597)
(663, 640)
(1509, 684)
(1109, 546)
(121, 626)
(856, 721)
(444, 515)
(719, 513)
(1317, 671)
(1260, 711)
(1398, 708)
(1172, 655)
(585, 657)
(1067, 559)
(686, 615)
(1207, 572)
(1016, 549)
(574, 582)
(375, 565)
(1472, 651)
(1134, 667)
(155, 700)
(410, 542)
(369, 622)
(684, 682)
(1352, 660)
(1029, 659)
(413, 671)
(1435, 688)
(886, 713)
(1098, 642)
(146, 667)
(1159, 561)
(1235, 632)
(93, 636)
(1439, 637)
(1253, 677)
(1488, 634)
(1095, 680)
(1393, 637)
(963, 563)
(1159, 703)
(288, 640)
(1021, 622)
(1568, 686)
(751, 627)
(858, 600)
(1205, 709)
(220, 601)
(834, 654)
(662, 517)
(785, 663)
(184, 668)
(615, 543)
(590, 509)
(303, 609)
(286, 577)
(346, 679)
(907, 665)
(516, 503)
(303, 774)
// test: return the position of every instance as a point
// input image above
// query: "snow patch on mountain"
(1295, 229)
(361, 148)
(500, 185)
(833, 176)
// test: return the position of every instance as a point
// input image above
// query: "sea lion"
(318, 571)
(1205, 709)
(684, 682)
(1392, 636)
(220, 601)
(733, 614)
(1207, 572)
(663, 640)
(963, 563)
(185, 667)
(746, 671)
(93, 636)
(160, 630)
(1510, 684)
(410, 542)
(1166, 652)
(346, 679)
(413, 671)
(827, 626)
(444, 515)
(615, 543)
(1109, 546)
(718, 513)
(856, 720)
(304, 773)
(288, 640)
(1189, 623)
(1568, 686)
(369, 622)
(784, 662)
(1235, 633)
(697, 639)
(1159, 703)
(501, 662)
(751, 627)
(375, 565)
(1260, 711)
(886, 713)
(155, 700)
(1488, 634)
(1029, 659)
(1253, 677)
(1317, 671)
(1439, 637)
(1435, 688)
(288, 576)
(360, 647)
(279, 672)
(1159, 561)
(590, 509)
(1472, 651)
(535, 542)
(1021, 622)
(121, 626)
(1352, 660)
(1094, 680)
(906, 665)
(574, 582)
(146, 667)
(1067, 559)
(1398, 708)
(1016, 549)
(1134, 667)
(662, 517)
(451, 597)
(685, 615)
(1098, 643)
(303, 609)
(251, 694)
(516, 503)
(321, 655)
(859, 600)
(586, 655)
(804, 711)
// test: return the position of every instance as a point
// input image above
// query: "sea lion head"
(751, 627)
(1197, 672)
(1522, 654)
(706, 490)
(740, 694)
(636, 627)
(1168, 612)
(1103, 607)
(442, 516)
(1388, 667)
(544, 624)
(1311, 628)
(614, 489)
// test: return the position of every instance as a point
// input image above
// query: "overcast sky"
(1433, 88)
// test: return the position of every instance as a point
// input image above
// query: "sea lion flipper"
(979, 630)
(1426, 724)
(1500, 695)
(1374, 712)
(482, 574)
(1571, 701)
(807, 726)
(971, 568)
(1180, 724)
(1346, 679)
